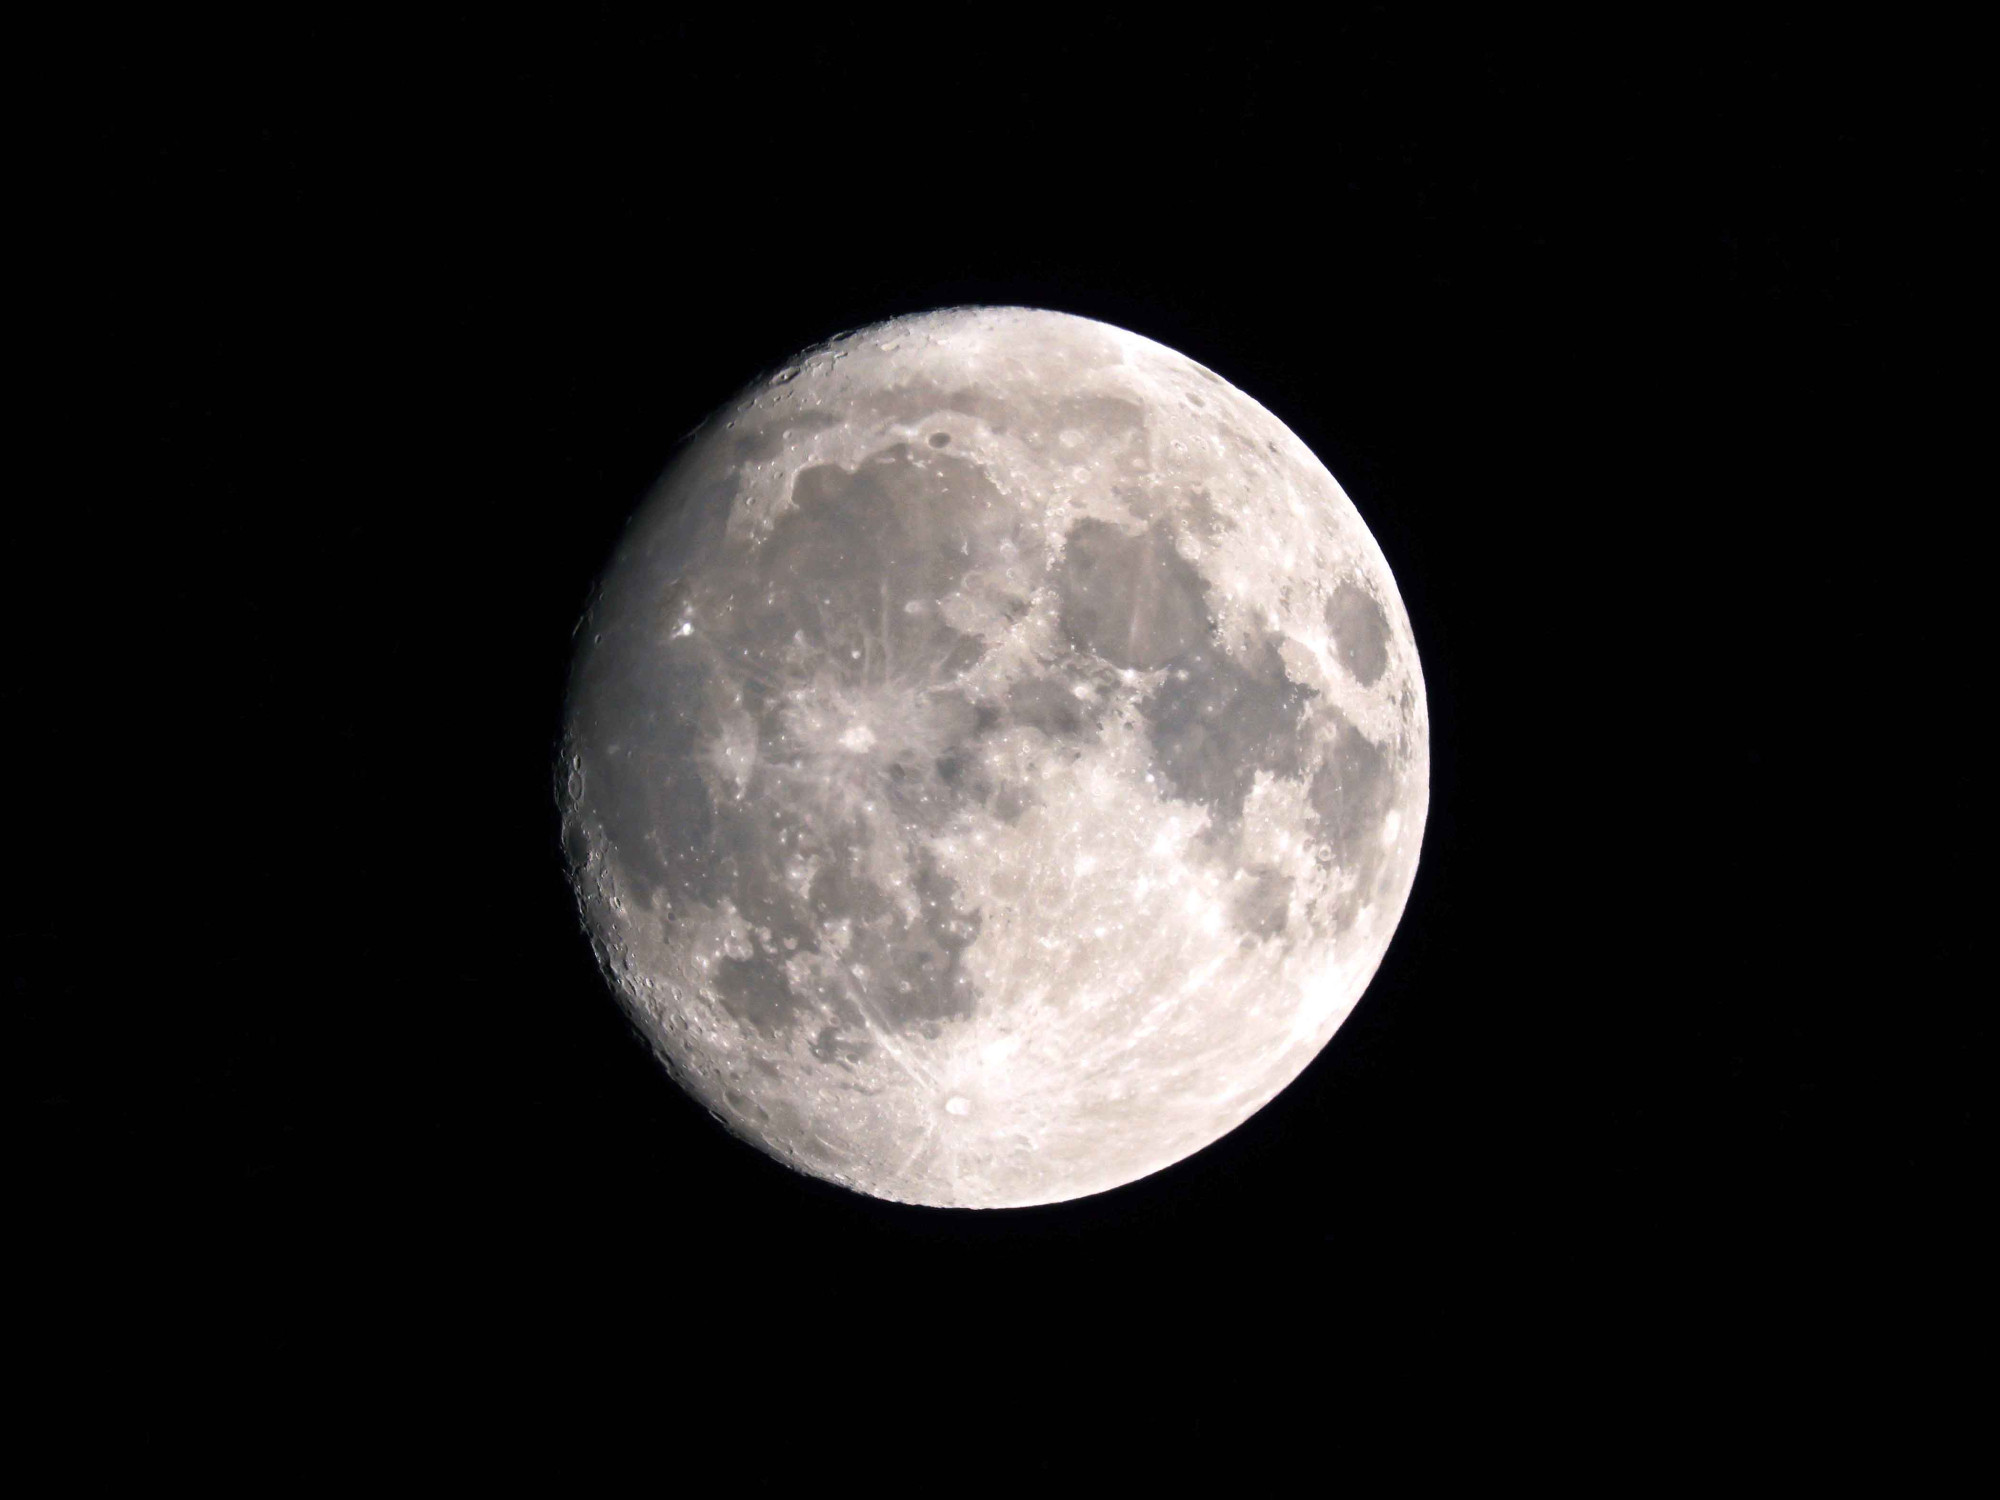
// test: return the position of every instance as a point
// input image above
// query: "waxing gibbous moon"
(995, 759)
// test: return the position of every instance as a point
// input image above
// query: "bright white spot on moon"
(1055, 737)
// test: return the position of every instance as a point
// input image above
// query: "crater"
(1010, 801)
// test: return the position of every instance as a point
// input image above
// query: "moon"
(995, 759)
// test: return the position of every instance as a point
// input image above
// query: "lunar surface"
(995, 760)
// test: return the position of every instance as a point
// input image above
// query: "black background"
(1627, 345)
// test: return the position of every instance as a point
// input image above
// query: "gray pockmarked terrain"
(996, 759)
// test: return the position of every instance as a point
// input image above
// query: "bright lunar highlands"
(995, 760)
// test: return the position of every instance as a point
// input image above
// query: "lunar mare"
(995, 761)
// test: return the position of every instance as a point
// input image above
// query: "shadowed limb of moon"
(995, 761)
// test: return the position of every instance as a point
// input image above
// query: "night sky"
(1628, 348)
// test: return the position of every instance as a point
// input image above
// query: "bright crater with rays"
(995, 761)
